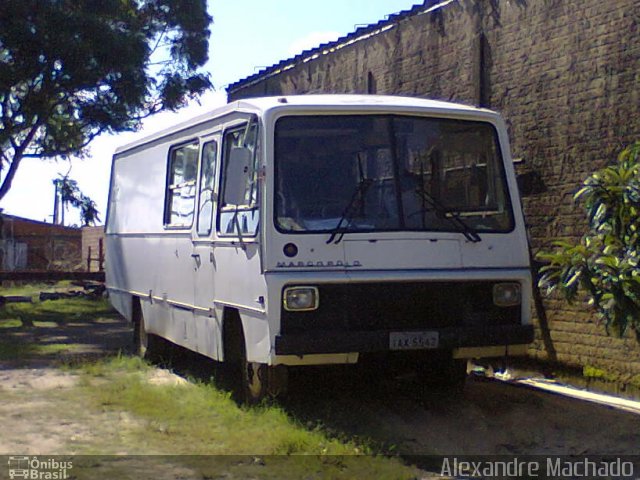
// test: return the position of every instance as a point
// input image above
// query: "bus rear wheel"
(147, 345)
(140, 335)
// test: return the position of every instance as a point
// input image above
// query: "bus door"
(207, 328)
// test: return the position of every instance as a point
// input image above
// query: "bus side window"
(206, 196)
(244, 213)
(181, 186)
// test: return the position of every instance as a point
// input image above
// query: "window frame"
(240, 209)
(215, 140)
(499, 164)
(169, 189)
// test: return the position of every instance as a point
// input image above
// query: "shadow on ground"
(48, 333)
(394, 414)
(398, 415)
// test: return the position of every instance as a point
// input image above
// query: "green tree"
(604, 263)
(73, 69)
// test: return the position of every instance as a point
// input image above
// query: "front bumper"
(450, 338)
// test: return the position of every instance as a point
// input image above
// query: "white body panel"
(185, 281)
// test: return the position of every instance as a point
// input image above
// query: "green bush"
(604, 263)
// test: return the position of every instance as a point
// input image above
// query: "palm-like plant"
(70, 194)
(604, 263)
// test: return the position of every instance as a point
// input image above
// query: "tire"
(140, 336)
(148, 345)
(250, 382)
(261, 381)
(254, 383)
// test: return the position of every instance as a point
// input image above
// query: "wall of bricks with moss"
(566, 76)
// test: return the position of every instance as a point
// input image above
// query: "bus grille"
(401, 306)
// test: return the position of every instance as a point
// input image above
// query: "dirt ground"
(38, 417)
(488, 417)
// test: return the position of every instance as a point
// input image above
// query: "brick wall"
(93, 244)
(432, 55)
(49, 247)
(564, 73)
(566, 76)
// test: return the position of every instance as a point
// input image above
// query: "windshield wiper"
(452, 216)
(353, 206)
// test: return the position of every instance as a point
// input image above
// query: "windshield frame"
(508, 209)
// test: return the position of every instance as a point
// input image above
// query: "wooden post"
(55, 203)
(89, 259)
(100, 255)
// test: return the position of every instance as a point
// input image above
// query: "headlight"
(300, 299)
(506, 294)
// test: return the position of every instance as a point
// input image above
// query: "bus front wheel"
(251, 382)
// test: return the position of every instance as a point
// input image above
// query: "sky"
(246, 36)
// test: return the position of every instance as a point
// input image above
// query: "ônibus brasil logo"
(35, 468)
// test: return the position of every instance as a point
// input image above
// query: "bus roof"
(260, 105)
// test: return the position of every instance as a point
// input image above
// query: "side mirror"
(238, 170)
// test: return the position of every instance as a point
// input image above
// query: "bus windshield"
(361, 173)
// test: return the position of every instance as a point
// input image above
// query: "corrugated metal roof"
(361, 33)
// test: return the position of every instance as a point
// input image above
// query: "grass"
(193, 427)
(33, 289)
(198, 419)
(10, 323)
(24, 350)
(57, 311)
(205, 415)
(49, 328)
(61, 311)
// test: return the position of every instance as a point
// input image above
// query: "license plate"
(413, 340)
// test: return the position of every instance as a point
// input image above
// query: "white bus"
(322, 229)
